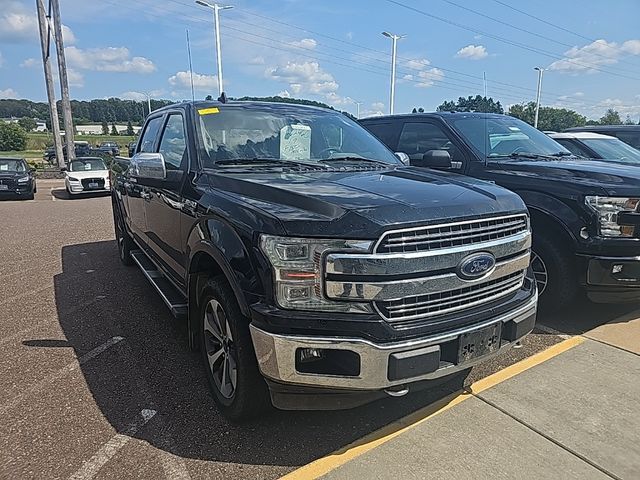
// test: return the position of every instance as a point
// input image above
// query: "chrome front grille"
(451, 235)
(426, 306)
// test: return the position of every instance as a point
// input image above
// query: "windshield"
(87, 165)
(505, 136)
(9, 165)
(612, 149)
(284, 133)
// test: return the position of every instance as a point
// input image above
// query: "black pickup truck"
(584, 214)
(314, 269)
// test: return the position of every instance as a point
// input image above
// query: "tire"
(555, 273)
(123, 240)
(228, 354)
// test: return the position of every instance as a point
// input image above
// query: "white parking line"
(92, 466)
(59, 374)
(53, 197)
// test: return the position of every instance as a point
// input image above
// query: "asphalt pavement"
(97, 380)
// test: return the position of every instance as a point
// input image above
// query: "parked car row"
(84, 149)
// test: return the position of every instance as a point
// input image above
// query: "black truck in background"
(314, 269)
(585, 214)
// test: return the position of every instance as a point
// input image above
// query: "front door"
(166, 203)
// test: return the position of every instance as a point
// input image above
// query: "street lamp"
(540, 72)
(216, 22)
(394, 40)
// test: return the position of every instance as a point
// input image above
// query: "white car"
(595, 145)
(87, 175)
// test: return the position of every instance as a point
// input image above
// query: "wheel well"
(545, 226)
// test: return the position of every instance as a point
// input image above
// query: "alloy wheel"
(540, 272)
(220, 349)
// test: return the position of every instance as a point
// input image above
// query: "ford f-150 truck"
(314, 269)
(585, 214)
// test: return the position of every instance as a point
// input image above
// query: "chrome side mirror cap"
(148, 165)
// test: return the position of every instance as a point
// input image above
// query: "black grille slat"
(454, 235)
(86, 181)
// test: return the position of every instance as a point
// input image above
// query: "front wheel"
(228, 355)
(555, 274)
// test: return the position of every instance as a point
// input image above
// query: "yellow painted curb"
(324, 465)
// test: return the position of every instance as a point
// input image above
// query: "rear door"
(165, 203)
(136, 193)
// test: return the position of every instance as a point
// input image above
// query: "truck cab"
(316, 270)
(585, 214)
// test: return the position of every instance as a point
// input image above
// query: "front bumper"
(19, 190)
(612, 279)
(429, 357)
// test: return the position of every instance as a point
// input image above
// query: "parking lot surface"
(97, 380)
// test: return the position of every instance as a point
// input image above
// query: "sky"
(334, 51)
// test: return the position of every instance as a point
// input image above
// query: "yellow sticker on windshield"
(208, 111)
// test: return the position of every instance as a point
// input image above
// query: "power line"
(507, 41)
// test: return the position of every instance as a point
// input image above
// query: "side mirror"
(403, 157)
(148, 165)
(434, 159)
(63, 169)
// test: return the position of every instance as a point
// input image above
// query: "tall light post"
(148, 102)
(394, 41)
(216, 21)
(540, 72)
(358, 109)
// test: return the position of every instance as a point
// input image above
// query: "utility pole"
(484, 83)
(216, 22)
(394, 41)
(45, 36)
(54, 7)
(540, 71)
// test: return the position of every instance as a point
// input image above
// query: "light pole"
(358, 109)
(394, 40)
(540, 72)
(216, 21)
(148, 102)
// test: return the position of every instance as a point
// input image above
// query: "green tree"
(114, 130)
(12, 137)
(555, 119)
(208, 98)
(130, 131)
(629, 120)
(611, 117)
(105, 127)
(472, 104)
(28, 123)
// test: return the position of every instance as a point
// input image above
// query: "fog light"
(309, 354)
(617, 269)
(584, 233)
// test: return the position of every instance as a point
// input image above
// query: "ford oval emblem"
(475, 266)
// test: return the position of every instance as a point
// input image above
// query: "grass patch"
(40, 141)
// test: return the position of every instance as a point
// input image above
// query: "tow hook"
(398, 391)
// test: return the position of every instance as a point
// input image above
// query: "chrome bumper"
(276, 354)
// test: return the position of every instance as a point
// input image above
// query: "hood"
(361, 204)
(80, 174)
(595, 176)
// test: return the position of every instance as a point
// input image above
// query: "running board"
(168, 292)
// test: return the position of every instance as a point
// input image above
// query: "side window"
(632, 138)
(385, 132)
(173, 144)
(417, 139)
(573, 147)
(149, 136)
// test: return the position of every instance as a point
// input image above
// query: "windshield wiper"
(562, 154)
(533, 156)
(245, 161)
(352, 158)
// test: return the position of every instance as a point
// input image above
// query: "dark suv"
(584, 213)
(16, 179)
(311, 264)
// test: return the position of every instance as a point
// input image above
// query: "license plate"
(93, 185)
(481, 342)
(4, 187)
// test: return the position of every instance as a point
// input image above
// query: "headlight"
(24, 179)
(73, 179)
(608, 209)
(297, 271)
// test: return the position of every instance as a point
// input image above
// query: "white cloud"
(75, 78)
(284, 94)
(335, 100)
(304, 78)
(306, 43)
(374, 110)
(200, 81)
(8, 93)
(472, 52)
(108, 59)
(596, 54)
(258, 60)
(20, 24)
(417, 63)
(349, 35)
(29, 63)
(426, 78)
(68, 36)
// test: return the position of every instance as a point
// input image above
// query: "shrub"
(12, 137)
